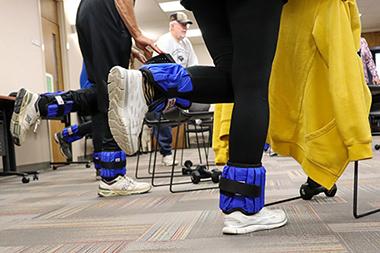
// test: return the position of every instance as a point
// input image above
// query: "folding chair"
(175, 118)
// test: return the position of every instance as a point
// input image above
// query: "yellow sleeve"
(337, 36)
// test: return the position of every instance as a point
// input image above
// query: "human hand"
(137, 55)
(145, 43)
(376, 81)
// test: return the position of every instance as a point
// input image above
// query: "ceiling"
(370, 10)
(155, 22)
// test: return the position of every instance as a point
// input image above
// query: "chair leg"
(85, 147)
(151, 174)
(204, 146)
(198, 145)
(355, 200)
(184, 141)
(187, 135)
(138, 160)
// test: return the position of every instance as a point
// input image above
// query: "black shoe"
(63, 145)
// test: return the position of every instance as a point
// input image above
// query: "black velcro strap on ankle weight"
(113, 165)
(231, 187)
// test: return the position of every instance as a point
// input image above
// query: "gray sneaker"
(122, 185)
(25, 115)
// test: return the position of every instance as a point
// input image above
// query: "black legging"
(241, 37)
(85, 128)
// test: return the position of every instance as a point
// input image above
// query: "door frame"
(61, 23)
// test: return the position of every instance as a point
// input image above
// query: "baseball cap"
(180, 17)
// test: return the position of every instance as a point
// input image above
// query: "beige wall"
(204, 57)
(21, 62)
(22, 65)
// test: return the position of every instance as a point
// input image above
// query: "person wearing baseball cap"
(181, 18)
(179, 47)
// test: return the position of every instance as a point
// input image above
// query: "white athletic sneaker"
(169, 160)
(25, 115)
(127, 107)
(122, 185)
(239, 223)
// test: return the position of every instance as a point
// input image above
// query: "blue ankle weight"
(112, 164)
(70, 134)
(169, 76)
(59, 107)
(96, 160)
(242, 189)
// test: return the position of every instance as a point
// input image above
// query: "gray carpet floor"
(62, 213)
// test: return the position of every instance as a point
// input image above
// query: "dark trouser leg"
(76, 132)
(85, 128)
(163, 136)
(105, 42)
(59, 104)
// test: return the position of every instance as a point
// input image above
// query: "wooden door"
(53, 64)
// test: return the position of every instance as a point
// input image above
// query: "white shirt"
(182, 51)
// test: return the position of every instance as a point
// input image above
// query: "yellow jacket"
(319, 101)
(221, 132)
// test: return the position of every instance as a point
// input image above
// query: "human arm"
(368, 61)
(127, 14)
